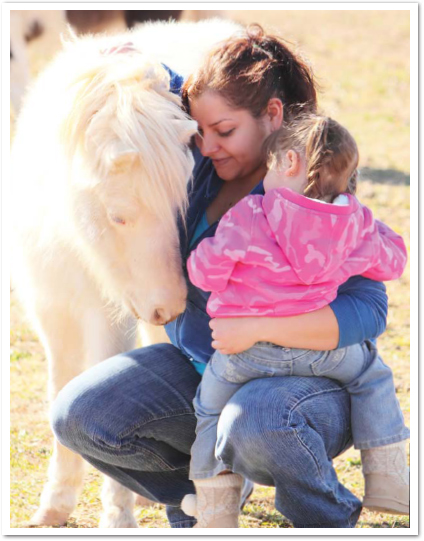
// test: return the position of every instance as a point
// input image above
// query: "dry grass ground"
(362, 59)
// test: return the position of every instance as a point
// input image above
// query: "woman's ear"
(275, 113)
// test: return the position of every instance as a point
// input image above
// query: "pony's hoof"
(117, 518)
(49, 517)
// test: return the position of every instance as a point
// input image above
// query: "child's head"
(313, 155)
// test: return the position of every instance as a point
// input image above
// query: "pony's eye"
(117, 220)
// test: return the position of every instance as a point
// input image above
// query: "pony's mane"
(122, 108)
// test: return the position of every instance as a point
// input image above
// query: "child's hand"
(232, 335)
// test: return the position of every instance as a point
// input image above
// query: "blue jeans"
(376, 415)
(132, 418)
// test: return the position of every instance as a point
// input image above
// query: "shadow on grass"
(384, 176)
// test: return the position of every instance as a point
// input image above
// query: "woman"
(132, 416)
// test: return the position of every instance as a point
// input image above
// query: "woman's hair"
(248, 70)
(329, 150)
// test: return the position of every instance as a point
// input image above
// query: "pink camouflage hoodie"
(282, 254)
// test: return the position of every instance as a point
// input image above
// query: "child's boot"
(386, 479)
(216, 503)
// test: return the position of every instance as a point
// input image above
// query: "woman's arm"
(314, 330)
(361, 310)
(358, 313)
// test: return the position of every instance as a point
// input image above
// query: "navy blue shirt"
(360, 307)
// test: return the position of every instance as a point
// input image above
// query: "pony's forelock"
(125, 110)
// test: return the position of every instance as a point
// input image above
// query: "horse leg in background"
(19, 60)
(63, 342)
(199, 15)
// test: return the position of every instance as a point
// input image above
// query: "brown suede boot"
(386, 479)
(216, 503)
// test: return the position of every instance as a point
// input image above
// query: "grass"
(362, 58)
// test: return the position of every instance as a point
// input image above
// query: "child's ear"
(293, 162)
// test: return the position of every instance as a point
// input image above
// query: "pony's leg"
(118, 506)
(118, 501)
(141, 501)
(68, 343)
(62, 339)
(60, 493)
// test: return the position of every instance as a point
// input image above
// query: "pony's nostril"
(159, 316)
(163, 315)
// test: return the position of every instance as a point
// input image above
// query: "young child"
(286, 253)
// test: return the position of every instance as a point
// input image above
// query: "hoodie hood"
(325, 233)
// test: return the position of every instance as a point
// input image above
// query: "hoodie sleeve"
(389, 255)
(211, 264)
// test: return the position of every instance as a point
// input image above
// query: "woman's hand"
(317, 330)
(233, 335)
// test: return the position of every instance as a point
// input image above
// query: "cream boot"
(216, 503)
(386, 479)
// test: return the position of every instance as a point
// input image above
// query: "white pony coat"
(100, 169)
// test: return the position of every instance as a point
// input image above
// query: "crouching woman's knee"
(86, 412)
(68, 418)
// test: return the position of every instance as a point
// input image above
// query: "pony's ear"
(186, 129)
(121, 157)
(158, 80)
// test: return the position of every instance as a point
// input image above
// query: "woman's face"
(232, 138)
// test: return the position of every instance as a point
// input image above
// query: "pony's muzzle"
(162, 316)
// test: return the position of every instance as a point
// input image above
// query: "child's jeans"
(376, 416)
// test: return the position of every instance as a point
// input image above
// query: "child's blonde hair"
(329, 150)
